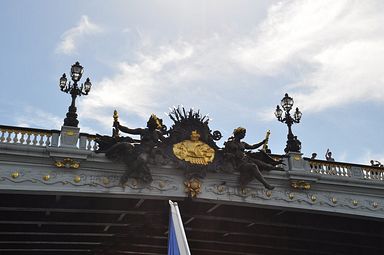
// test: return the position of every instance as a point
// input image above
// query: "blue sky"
(233, 60)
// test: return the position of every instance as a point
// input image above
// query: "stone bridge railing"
(344, 170)
(38, 160)
(42, 137)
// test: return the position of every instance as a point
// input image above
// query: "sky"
(232, 59)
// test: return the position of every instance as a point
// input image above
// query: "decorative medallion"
(193, 187)
(70, 133)
(194, 151)
(67, 163)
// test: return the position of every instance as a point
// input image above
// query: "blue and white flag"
(177, 241)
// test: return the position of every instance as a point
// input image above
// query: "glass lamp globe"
(76, 71)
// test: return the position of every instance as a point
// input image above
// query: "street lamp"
(293, 144)
(74, 90)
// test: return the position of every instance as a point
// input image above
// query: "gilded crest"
(194, 151)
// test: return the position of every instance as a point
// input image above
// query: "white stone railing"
(41, 137)
(330, 168)
(87, 142)
(28, 136)
(373, 173)
(345, 170)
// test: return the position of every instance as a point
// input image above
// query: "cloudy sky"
(233, 60)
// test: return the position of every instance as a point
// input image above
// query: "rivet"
(375, 204)
(105, 181)
(313, 198)
(334, 200)
(77, 179)
(46, 177)
(15, 175)
(268, 193)
(354, 202)
(291, 195)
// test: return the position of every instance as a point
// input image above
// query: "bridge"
(60, 197)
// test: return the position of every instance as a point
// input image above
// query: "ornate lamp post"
(293, 144)
(74, 90)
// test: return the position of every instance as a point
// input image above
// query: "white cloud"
(43, 119)
(369, 155)
(72, 37)
(329, 52)
(161, 77)
(138, 87)
(332, 48)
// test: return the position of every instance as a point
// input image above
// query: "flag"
(177, 240)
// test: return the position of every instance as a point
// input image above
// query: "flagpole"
(181, 238)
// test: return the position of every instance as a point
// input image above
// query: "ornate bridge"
(60, 197)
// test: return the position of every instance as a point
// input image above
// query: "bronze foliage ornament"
(67, 163)
(189, 144)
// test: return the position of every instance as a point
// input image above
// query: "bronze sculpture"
(188, 145)
(134, 153)
(249, 164)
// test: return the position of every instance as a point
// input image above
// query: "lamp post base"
(69, 136)
(293, 145)
(71, 119)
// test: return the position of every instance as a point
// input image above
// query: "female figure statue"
(248, 164)
(135, 153)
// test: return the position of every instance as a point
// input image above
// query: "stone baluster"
(41, 141)
(15, 137)
(48, 141)
(34, 141)
(2, 138)
(9, 136)
(29, 137)
(22, 140)
(89, 146)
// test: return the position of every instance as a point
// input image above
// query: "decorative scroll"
(54, 178)
(319, 199)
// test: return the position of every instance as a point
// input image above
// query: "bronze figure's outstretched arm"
(253, 146)
(134, 131)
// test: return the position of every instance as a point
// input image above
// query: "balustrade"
(28, 136)
(87, 142)
(330, 168)
(41, 137)
(373, 173)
